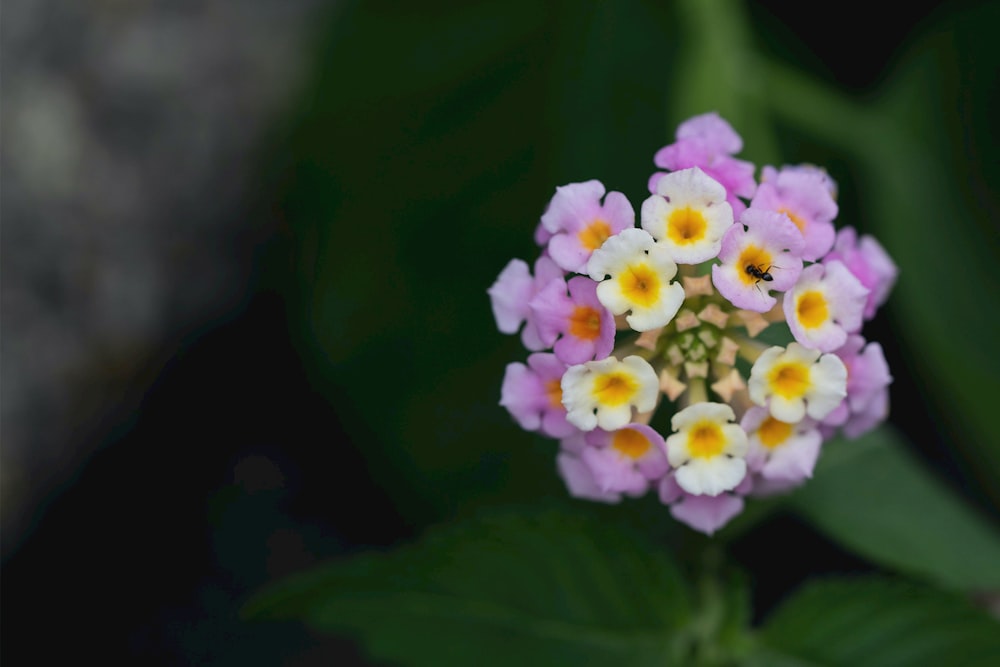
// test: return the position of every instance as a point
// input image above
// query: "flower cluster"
(662, 325)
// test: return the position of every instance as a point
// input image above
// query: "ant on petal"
(755, 271)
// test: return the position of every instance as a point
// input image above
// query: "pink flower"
(804, 196)
(579, 223)
(581, 327)
(868, 380)
(763, 256)
(824, 306)
(511, 295)
(578, 476)
(627, 460)
(709, 142)
(870, 264)
(533, 395)
(779, 451)
(706, 514)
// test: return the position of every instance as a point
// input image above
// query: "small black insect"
(758, 273)
(754, 271)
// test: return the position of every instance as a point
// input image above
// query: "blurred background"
(245, 248)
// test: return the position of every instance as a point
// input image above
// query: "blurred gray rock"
(130, 137)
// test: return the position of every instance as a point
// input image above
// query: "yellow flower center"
(706, 440)
(686, 226)
(614, 388)
(773, 432)
(756, 257)
(789, 380)
(799, 222)
(553, 389)
(631, 443)
(640, 285)
(585, 323)
(812, 309)
(594, 235)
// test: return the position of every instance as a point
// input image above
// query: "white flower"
(634, 274)
(707, 451)
(797, 381)
(688, 215)
(603, 393)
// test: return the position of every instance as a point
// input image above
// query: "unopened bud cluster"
(661, 324)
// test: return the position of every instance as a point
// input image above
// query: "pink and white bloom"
(604, 393)
(770, 174)
(705, 514)
(868, 380)
(780, 451)
(707, 452)
(699, 330)
(532, 394)
(709, 142)
(635, 275)
(582, 328)
(627, 460)
(577, 475)
(804, 196)
(764, 255)
(511, 295)
(579, 223)
(825, 305)
(688, 214)
(868, 261)
(795, 381)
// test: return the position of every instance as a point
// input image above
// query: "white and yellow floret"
(635, 274)
(603, 393)
(796, 381)
(688, 215)
(707, 450)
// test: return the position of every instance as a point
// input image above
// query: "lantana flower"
(627, 461)
(780, 451)
(533, 395)
(709, 143)
(795, 381)
(577, 325)
(825, 306)
(511, 295)
(804, 196)
(579, 223)
(868, 380)
(760, 253)
(635, 274)
(603, 393)
(707, 451)
(868, 261)
(635, 321)
(688, 214)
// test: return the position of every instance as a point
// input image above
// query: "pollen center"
(553, 389)
(705, 440)
(594, 235)
(631, 443)
(790, 380)
(585, 323)
(799, 222)
(640, 285)
(614, 388)
(686, 226)
(773, 432)
(756, 257)
(812, 309)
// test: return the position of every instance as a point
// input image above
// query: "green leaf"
(874, 498)
(555, 588)
(878, 622)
